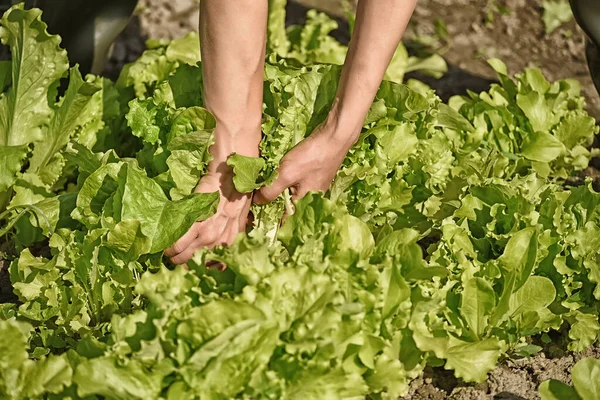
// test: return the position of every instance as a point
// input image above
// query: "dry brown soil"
(511, 380)
(517, 38)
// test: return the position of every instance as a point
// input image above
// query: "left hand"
(311, 165)
(220, 229)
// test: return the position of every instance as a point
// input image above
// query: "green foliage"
(447, 237)
(311, 43)
(586, 383)
(35, 127)
(246, 170)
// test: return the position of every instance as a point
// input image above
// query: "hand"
(311, 165)
(220, 229)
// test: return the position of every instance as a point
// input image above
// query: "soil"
(517, 38)
(511, 380)
(6, 293)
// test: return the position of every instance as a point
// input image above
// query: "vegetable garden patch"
(447, 238)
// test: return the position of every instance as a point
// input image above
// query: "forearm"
(379, 27)
(233, 40)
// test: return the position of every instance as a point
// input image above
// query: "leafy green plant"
(37, 127)
(586, 383)
(107, 225)
(447, 238)
(311, 43)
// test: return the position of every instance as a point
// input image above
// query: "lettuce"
(447, 237)
(585, 376)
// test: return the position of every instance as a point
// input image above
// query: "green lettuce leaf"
(22, 378)
(104, 376)
(556, 13)
(11, 162)
(122, 192)
(37, 65)
(245, 172)
(64, 122)
(585, 376)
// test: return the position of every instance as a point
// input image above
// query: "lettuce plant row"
(448, 237)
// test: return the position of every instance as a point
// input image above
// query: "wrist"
(243, 139)
(343, 127)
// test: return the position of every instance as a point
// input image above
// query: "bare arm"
(313, 163)
(233, 41)
(379, 27)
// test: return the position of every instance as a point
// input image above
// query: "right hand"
(312, 164)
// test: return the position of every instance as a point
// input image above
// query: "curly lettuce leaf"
(65, 120)
(37, 65)
(246, 171)
(22, 378)
(118, 192)
(11, 162)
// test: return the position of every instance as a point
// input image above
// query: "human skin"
(233, 41)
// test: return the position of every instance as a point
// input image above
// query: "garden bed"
(513, 378)
(519, 40)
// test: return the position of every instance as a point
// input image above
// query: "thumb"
(266, 194)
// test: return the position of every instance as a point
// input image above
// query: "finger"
(266, 194)
(183, 243)
(302, 190)
(212, 263)
(183, 257)
(294, 193)
(290, 208)
(299, 192)
(198, 244)
(188, 253)
(206, 238)
(227, 236)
